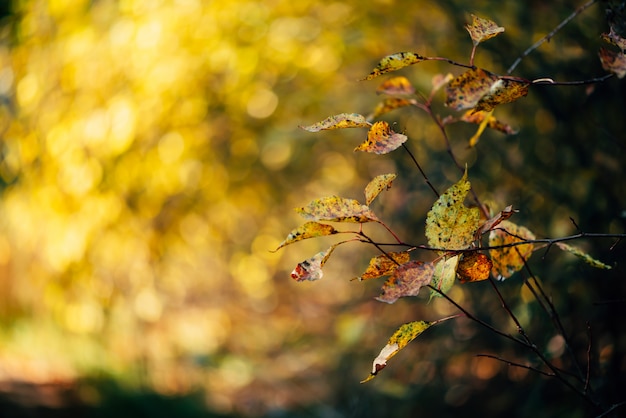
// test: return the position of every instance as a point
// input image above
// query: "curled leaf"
(337, 209)
(394, 62)
(311, 268)
(377, 185)
(407, 280)
(482, 29)
(381, 139)
(340, 121)
(583, 255)
(450, 225)
(400, 339)
(505, 214)
(384, 265)
(308, 230)
(474, 267)
(508, 260)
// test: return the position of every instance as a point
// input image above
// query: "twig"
(421, 171)
(512, 363)
(588, 374)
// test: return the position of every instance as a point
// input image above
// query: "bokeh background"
(151, 158)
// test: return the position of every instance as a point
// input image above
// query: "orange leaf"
(508, 260)
(381, 139)
(396, 86)
(482, 29)
(383, 265)
(474, 267)
(407, 280)
(477, 117)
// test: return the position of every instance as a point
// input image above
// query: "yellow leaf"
(381, 139)
(377, 185)
(482, 29)
(474, 267)
(340, 121)
(407, 280)
(308, 230)
(450, 225)
(383, 265)
(474, 139)
(400, 339)
(503, 90)
(394, 62)
(478, 117)
(508, 260)
(466, 90)
(337, 209)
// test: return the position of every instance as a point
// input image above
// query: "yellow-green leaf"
(394, 62)
(450, 225)
(308, 230)
(377, 185)
(508, 260)
(384, 265)
(337, 209)
(381, 139)
(407, 280)
(583, 255)
(444, 275)
(482, 29)
(400, 339)
(340, 121)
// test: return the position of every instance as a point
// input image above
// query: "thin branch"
(588, 374)
(550, 35)
(512, 363)
(611, 409)
(421, 171)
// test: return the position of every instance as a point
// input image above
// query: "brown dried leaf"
(407, 280)
(383, 265)
(613, 62)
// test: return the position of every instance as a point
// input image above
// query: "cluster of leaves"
(468, 243)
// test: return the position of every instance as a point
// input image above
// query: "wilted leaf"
(505, 214)
(474, 267)
(337, 209)
(394, 62)
(403, 336)
(340, 121)
(581, 254)
(377, 185)
(390, 104)
(444, 275)
(407, 280)
(381, 139)
(396, 86)
(613, 62)
(466, 90)
(507, 261)
(503, 90)
(382, 265)
(308, 230)
(450, 225)
(440, 80)
(311, 268)
(482, 29)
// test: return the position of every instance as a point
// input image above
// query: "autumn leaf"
(444, 275)
(450, 225)
(394, 62)
(400, 339)
(381, 139)
(308, 230)
(440, 80)
(482, 29)
(407, 280)
(384, 265)
(477, 88)
(396, 86)
(503, 90)
(581, 254)
(311, 268)
(337, 209)
(377, 185)
(613, 62)
(477, 117)
(508, 260)
(389, 104)
(613, 38)
(474, 267)
(340, 121)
